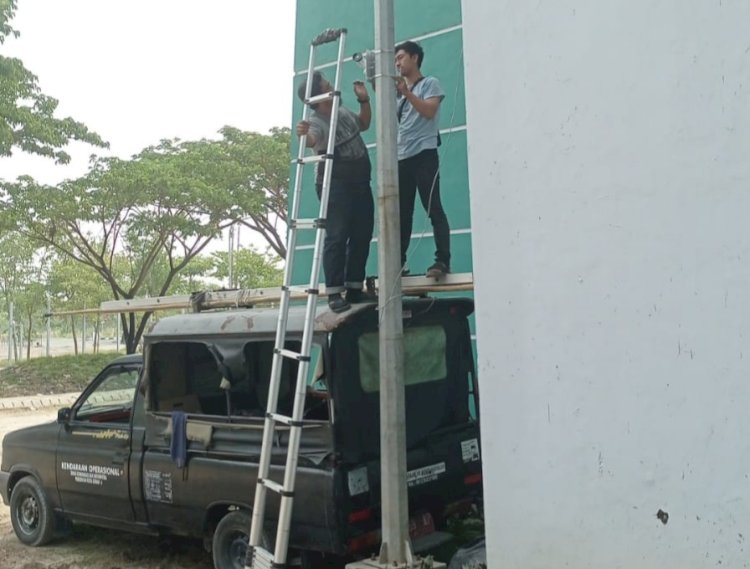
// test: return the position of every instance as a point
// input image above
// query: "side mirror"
(63, 415)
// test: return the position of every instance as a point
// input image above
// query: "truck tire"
(229, 546)
(30, 514)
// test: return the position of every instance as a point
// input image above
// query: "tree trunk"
(132, 334)
(73, 329)
(28, 338)
(17, 345)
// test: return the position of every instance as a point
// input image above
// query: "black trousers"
(349, 228)
(422, 172)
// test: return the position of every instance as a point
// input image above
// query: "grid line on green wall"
(436, 33)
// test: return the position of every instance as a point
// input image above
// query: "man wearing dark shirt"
(350, 213)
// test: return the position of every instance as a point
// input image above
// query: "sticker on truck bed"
(92, 474)
(470, 450)
(157, 486)
(425, 474)
(358, 482)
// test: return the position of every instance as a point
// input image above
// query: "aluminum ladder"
(257, 556)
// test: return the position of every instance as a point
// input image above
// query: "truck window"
(188, 376)
(111, 401)
(424, 357)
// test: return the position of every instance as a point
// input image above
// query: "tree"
(123, 216)
(22, 271)
(252, 269)
(73, 286)
(270, 154)
(27, 120)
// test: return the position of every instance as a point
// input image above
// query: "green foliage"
(270, 154)
(60, 374)
(251, 269)
(27, 120)
(74, 285)
(16, 262)
(7, 10)
(23, 269)
(138, 223)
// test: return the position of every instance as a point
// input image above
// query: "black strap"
(403, 99)
(401, 106)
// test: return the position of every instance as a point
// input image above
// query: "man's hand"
(302, 128)
(401, 86)
(360, 91)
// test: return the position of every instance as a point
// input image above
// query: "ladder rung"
(313, 159)
(292, 355)
(275, 487)
(307, 223)
(258, 558)
(302, 289)
(327, 36)
(284, 420)
(322, 97)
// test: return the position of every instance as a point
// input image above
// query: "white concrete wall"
(609, 156)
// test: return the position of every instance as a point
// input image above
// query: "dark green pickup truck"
(111, 460)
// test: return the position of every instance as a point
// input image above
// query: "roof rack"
(245, 298)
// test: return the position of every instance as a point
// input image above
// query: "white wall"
(609, 156)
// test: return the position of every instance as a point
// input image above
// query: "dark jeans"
(422, 172)
(348, 234)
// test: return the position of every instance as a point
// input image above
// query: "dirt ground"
(86, 547)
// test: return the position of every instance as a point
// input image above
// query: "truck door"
(93, 450)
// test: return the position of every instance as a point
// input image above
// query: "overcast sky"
(137, 71)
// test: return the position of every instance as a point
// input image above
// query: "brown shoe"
(437, 270)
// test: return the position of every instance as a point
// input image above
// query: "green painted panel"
(443, 59)
(416, 18)
(314, 16)
(419, 256)
(413, 19)
(454, 191)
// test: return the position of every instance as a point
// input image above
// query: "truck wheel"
(230, 539)
(30, 513)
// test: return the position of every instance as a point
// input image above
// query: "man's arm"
(365, 111)
(365, 115)
(427, 107)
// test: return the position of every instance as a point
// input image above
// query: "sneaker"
(337, 303)
(438, 270)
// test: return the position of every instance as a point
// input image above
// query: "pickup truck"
(111, 458)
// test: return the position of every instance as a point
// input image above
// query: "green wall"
(436, 25)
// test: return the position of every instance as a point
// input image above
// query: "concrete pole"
(49, 325)
(395, 546)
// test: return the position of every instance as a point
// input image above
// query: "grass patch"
(50, 376)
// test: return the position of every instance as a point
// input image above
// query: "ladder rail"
(264, 462)
(286, 490)
(295, 433)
